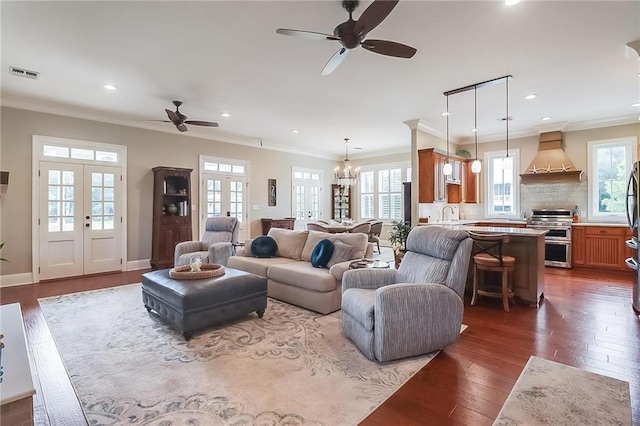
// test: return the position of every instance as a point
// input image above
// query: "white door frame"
(38, 143)
(201, 191)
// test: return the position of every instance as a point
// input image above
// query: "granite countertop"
(518, 222)
(524, 232)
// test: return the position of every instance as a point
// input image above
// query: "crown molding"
(103, 117)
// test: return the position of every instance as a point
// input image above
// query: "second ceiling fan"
(351, 33)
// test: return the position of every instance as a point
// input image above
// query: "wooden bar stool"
(487, 249)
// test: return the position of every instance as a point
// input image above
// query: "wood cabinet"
(601, 247)
(340, 202)
(434, 186)
(286, 223)
(470, 184)
(431, 180)
(171, 213)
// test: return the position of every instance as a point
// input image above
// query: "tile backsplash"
(559, 195)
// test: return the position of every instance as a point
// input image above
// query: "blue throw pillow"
(264, 247)
(322, 253)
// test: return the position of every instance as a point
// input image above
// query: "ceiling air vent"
(19, 72)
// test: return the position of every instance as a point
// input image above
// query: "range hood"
(551, 163)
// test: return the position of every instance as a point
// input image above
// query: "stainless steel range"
(557, 242)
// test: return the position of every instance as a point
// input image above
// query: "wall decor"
(272, 192)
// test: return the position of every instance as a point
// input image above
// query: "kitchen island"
(527, 246)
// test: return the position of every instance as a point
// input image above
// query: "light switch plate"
(256, 207)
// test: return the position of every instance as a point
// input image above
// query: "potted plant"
(398, 238)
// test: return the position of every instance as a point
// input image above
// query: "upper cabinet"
(434, 186)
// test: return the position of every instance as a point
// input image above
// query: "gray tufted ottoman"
(190, 305)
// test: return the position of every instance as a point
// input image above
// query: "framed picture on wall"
(272, 192)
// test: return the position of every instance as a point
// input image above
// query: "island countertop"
(523, 232)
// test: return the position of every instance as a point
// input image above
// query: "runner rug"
(549, 393)
(292, 367)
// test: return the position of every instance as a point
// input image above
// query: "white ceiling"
(226, 56)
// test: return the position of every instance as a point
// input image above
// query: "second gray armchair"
(217, 244)
(417, 309)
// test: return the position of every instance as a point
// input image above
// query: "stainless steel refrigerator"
(633, 218)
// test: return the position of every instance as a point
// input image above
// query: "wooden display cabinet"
(341, 202)
(171, 213)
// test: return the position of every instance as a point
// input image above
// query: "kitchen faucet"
(443, 209)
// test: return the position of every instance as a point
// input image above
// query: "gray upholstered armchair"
(417, 309)
(216, 246)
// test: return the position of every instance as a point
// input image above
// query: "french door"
(307, 196)
(79, 219)
(224, 195)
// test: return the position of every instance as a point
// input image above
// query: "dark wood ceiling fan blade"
(202, 123)
(172, 116)
(373, 16)
(181, 127)
(389, 48)
(335, 60)
(306, 34)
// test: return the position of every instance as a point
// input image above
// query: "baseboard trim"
(135, 265)
(16, 279)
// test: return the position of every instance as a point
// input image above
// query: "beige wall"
(145, 150)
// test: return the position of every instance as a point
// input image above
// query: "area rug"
(549, 393)
(292, 367)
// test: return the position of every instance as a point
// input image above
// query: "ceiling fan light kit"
(351, 34)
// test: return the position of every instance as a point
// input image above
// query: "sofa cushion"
(290, 243)
(322, 253)
(303, 275)
(341, 253)
(359, 242)
(264, 247)
(256, 265)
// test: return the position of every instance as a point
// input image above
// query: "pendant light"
(476, 166)
(448, 168)
(507, 120)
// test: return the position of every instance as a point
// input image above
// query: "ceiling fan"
(179, 119)
(351, 33)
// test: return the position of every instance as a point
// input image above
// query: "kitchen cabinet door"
(605, 247)
(578, 245)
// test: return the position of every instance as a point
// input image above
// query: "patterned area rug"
(549, 393)
(292, 367)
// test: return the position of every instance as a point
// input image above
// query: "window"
(381, 191)
(502, 193)
(610, 163)
(84, 154)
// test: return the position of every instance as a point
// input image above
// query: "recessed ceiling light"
(511, 2)
(444, 114)
(531, 96)
(546, 118)
(110, 86)
(295, 131)
(636, 104)
(225, 114)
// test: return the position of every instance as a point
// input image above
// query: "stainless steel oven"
(557, 241)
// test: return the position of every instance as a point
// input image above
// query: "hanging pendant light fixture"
(448, 168)
(347, 177)
(476, 166)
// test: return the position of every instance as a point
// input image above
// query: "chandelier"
(346, 177)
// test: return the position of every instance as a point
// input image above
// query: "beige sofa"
(290, 275)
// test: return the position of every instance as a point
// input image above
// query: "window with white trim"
(381, 191)
(502, 191)
(610, 163)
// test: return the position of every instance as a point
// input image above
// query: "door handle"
(87, 225)
(228, 214)
(87, 217)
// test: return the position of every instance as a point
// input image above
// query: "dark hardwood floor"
(585, 321)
